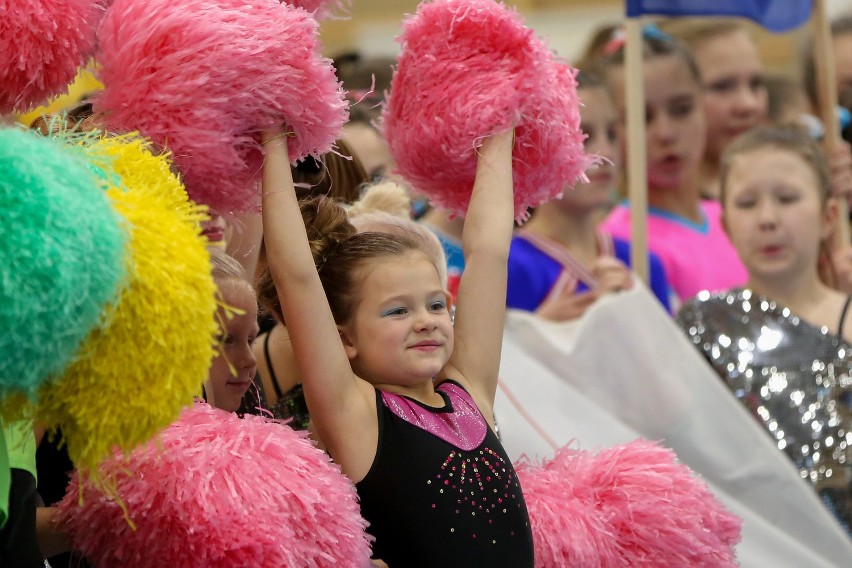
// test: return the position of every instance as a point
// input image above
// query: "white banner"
(625, 371)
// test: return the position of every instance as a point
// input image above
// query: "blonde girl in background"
(234, 367)
(781, 343)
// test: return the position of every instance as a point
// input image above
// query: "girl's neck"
(684, 202)
(423, 392)
(710, 179)
(575, 230)
(802, 294)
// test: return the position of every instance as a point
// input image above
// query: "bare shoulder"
(352, 439)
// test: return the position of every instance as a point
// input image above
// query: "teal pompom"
(62, 249)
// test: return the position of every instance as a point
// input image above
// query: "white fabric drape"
(625, 371)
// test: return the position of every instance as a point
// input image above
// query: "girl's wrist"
(270, 136)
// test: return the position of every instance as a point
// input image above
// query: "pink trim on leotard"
(459, 423)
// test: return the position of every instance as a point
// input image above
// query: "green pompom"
(62, 249)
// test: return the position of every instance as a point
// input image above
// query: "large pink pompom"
(468, 69)
(631, 505)
(201, 77)
(214, 490)
(42, 43)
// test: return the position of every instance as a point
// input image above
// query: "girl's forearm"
(488, 222)
(482, 291)
(287, 250)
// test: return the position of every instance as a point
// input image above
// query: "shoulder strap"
(561, 255)
(275, 384)
(843, 316)
(606, 247)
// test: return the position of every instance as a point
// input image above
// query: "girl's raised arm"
(481, 303)
(339, 404)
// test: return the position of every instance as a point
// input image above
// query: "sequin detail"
(459, 423)
(481, 484)
(414, 494)
(792, 376)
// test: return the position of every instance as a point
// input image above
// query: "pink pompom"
(631, 505)
(468, 69)
(201, 77)
(42, 43)
(215, 491)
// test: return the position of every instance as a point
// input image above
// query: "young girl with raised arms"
(402, 398)
(782, 342)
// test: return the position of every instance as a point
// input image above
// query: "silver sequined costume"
(792, 376)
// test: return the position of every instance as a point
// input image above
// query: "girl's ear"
(830, 215)
(348, 345)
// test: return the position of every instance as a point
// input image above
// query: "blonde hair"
(793, 139)
(225, 268)
(385, 207)
(341, 241)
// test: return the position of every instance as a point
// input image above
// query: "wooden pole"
(827, 101)
(637, 176)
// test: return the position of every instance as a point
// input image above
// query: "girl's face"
(774, 214)
(232, 371)
(215, 229)
(400, 333)
(675, 128)
(735, 97)
(599, 121)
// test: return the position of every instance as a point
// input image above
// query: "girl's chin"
(232, 403)
(665, 184)
(595, 187)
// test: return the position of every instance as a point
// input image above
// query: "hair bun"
(385, 197)
(327, 226)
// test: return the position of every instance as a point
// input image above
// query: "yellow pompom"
(152, 352)
(83, 85)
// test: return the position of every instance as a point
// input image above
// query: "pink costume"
(695, 256)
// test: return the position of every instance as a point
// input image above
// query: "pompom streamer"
(469, 69)
(61, 259)
(42, 43)
(202, 77)
(150, 356)
(217, 491)
(630, 505)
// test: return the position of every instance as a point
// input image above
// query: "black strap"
(843, 316)
(275, 384)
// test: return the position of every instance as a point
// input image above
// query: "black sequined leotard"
(441, 490)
